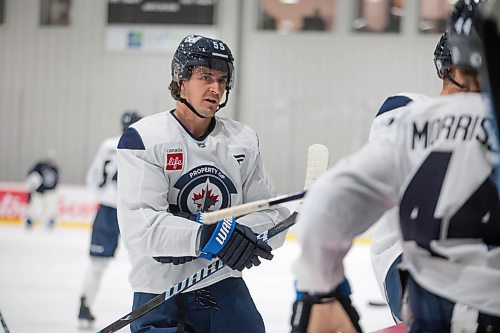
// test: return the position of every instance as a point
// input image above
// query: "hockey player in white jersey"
(386, 248)
(101, 181)
(437, 169)
(178, 163)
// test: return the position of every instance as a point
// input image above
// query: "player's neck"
(195, 125)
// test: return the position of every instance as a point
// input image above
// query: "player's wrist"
(301, 310)
(305, 301)
(214, 237)
(341, 291)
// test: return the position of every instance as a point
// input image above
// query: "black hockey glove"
(235, 244)
(178, 260)
(301, 309)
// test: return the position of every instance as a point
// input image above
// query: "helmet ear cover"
(442, 57)
(175, 90)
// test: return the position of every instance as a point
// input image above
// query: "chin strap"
(190, 107)
(452, 80)
(225, 100)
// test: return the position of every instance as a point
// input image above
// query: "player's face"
(204, 90)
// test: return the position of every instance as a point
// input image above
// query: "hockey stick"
(317, 163)
(190, 281)
(250, 207)
(4, 324)
(490, 38)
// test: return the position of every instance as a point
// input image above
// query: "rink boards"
(76, 206)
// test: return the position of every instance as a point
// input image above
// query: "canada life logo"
(174, 161)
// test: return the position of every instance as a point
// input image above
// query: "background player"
(101, 180)
(41, 183)
(386, 248)
(438, 170)
(175, 164)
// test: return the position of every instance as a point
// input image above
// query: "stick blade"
(318, 157)
(317, 163)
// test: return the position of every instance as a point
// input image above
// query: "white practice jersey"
(164, 170)
(386, 241)
(102, 174)
(438, 170)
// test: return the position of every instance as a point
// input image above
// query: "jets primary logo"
(204, 189)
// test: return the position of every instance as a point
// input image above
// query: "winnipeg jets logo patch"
(206, 199)
(239, 158)
(204, 189)
(174, 160)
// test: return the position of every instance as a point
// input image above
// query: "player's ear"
(175, 89)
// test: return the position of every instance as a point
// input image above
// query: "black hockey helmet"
(475, 43)
(465, 43)
(129, 117)
(442, 56)
(199, 51)
(443, 60)
(196, 50)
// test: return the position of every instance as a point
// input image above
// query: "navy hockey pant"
(225, 306)
(105, 233)
(433, 313)
(394, 288)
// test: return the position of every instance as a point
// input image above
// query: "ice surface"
(41, 273)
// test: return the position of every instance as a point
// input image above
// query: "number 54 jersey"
(163, 172)
(437, 167)
(102, 174)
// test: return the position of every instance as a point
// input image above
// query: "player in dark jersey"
(41, 183)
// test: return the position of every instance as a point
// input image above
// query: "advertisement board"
(157, 26)
(76, 206)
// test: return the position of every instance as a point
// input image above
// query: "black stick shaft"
(4, 324)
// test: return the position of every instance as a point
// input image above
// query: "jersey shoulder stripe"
(392, 103)
(131, 139)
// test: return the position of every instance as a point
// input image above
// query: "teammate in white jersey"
(386, 249)
(437, 168)
(101, 181)
(172, 166)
